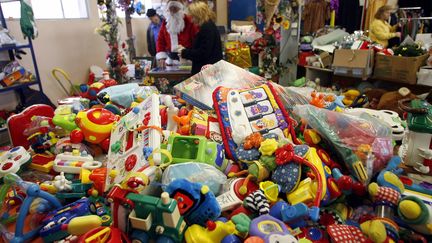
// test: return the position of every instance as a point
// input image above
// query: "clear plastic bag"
(358, 141)
(195, 172)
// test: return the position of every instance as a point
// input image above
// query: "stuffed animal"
(389, 100)
(374, 97)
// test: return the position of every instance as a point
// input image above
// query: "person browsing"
(380, 30)
(207, 47)
(153, 31)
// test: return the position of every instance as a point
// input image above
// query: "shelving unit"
(29, 45)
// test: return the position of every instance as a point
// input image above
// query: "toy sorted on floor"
(387, 116)
(415, 149)
(243, 112)
(353, 140)
(196, 202)
(32, 192)
(135, 132)
(14, 160)
(196, 149)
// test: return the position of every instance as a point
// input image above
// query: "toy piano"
(243, 112)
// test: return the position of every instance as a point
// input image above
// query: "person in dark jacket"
(207, 46)
(153, 31)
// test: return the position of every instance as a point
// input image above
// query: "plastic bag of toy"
(198, 89)
(195, 172)
(363, 143)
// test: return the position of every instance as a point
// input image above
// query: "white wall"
(74, 46)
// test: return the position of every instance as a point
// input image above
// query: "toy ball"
(76, 136)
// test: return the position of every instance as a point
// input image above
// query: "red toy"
(95, 125)
(19, 122)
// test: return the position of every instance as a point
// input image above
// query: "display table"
(174, 74)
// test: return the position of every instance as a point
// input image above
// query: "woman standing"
(380, 30)
(207, 46)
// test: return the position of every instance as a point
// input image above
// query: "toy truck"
(155, 219)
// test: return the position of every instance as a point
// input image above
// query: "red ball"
(76, 136)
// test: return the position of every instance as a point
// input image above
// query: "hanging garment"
(426, 5)
(315, 14)
(349, 16)
(372, 8)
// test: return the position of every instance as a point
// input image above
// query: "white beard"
(175, 23)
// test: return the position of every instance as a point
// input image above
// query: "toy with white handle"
(171, 112)
(73, 162)
(12, 160)
(238, 117)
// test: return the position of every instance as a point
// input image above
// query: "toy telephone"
(243, 112)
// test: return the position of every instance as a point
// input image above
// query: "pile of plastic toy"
(232, 158)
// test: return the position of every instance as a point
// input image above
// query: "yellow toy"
(416, 214)
(350, 96)
(268, 147)
(83, 224)
(217, 231)
(374, 230)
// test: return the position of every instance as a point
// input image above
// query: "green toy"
(27, 22)
(196, 149)
(156, 218)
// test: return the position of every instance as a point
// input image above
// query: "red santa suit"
(181, 33)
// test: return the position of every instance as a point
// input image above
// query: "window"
(146, 4)
(49, 9)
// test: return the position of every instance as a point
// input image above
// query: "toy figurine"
(171, 112)
(253, 141)
(183, 123)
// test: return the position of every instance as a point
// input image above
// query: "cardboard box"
(398, 69)
(353, 63)
(240, 26)
(425, 76)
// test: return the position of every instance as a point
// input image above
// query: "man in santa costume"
(176, 31)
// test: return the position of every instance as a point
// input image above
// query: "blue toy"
(388, 177)
(196, 202)
(32, 191)
(52, 224)
(294, 215)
